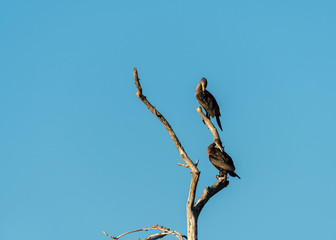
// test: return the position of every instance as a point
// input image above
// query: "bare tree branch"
(165, 123)
(209, 124)
(191, 219)
(209, 192)
(156, 236)
(183, 154)
(133, 231)
(164, 231)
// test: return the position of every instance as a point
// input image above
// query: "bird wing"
(228, 159)
(208, 102)
(221, 160)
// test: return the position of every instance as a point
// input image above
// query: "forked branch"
(221, 183)
(209, 192)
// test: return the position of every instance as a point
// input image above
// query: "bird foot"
(221, 177)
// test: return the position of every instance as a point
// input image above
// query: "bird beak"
(203, 87)
(219, 147)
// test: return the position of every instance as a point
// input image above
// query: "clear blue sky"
(80, 153)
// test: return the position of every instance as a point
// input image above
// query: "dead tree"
(194, 207)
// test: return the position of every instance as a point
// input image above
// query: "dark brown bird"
(208, 101)
(221, 160)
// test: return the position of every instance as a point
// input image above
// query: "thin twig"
(109, 235)
(138, 230)
(185, 165)
(182, 165)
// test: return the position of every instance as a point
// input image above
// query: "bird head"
(204, 83)
(219, 144)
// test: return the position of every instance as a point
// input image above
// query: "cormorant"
(207, 101)
(221, 160)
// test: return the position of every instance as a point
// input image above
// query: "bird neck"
(198, 88)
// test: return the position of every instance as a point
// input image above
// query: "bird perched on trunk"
(207, 101)
(220, 159)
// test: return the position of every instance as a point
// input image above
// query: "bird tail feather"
(219, 123)
(233, 174)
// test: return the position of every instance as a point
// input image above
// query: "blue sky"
(79, 153)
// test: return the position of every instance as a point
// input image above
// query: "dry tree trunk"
(193, 209)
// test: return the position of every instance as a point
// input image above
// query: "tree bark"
(192, 225)
(192, 217)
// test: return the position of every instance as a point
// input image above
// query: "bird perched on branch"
(208, 101)
(220, 159)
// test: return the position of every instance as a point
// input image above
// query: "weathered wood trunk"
(192, 225)
(192, 214)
